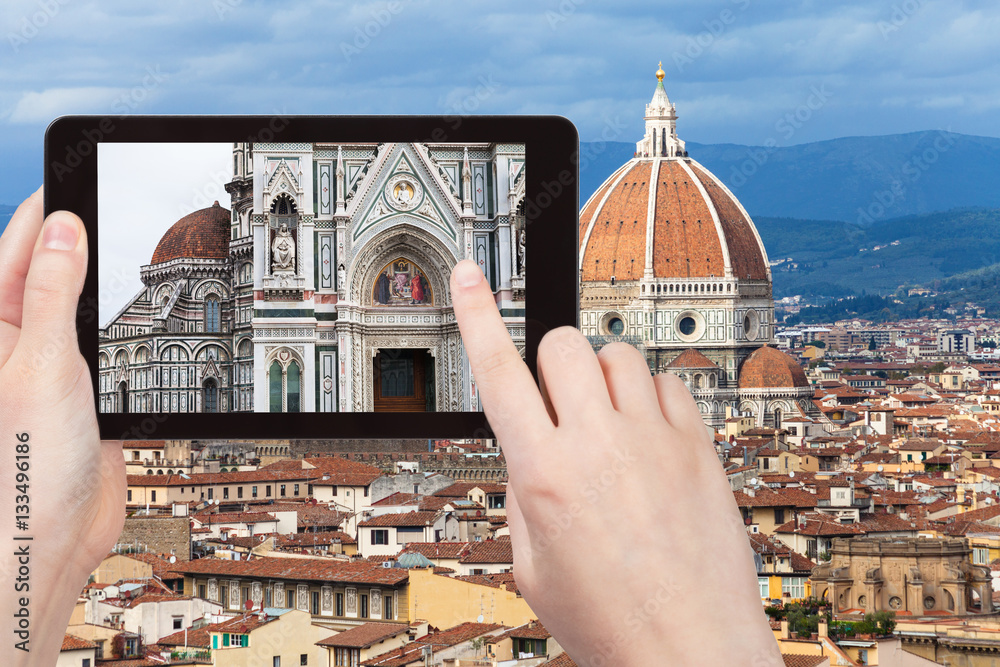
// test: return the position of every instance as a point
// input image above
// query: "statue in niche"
(341, 277)
(283, 251)
(520, 249)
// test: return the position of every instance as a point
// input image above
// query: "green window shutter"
(245, 640)
(215, 641)
(225, 639)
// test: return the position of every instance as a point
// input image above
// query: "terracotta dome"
(691, 358)
(696, 227)
(203, 234)
(768, 368)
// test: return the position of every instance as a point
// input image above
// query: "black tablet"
(287, 277)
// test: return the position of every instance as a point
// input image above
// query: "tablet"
(287, 277)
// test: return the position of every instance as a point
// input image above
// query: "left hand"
(75, 503)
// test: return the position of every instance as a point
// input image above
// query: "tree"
(871, 344)
(817, 343)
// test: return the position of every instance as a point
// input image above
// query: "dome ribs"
(745, 253)
(683, 247)
(203, 234)
(616, 246)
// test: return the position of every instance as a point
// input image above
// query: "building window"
(284, 387)
(212, 315)
(239, 491)
(282, 490)
(794, 586)
(267, 490)
(765, 588)
(387, 606)
(225, 493)
(178, 622)
(276, 661)
(211, 396)
(347, 657)
(980, 555)
(779, 517)
(304, 659)
(340, 604)
(295, 489)
(380, 536)
(201, 591)
(129, 495)
(364, 605)
(210, 492)
(152, 496)
(253, 491)
(315, 603)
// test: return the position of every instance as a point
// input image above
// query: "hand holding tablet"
(309, 296)
(615, 501)
(63, 491)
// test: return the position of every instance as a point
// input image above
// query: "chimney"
(784, 630)
(823, 628)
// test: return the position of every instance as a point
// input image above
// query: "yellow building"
(337, 593)
(445, 601)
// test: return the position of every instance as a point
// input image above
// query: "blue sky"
(735, 68)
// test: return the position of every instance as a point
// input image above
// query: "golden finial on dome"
(660, 73)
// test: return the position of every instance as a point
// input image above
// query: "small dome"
(768, 368)
(691, 358)
(203, 234)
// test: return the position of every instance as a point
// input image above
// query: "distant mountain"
(853, 179)
(835, 258)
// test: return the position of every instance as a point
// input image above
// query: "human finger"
(678, 405)
(511, 400)
(16, 245)
(574, 380)
(54, 281)
(628, 379)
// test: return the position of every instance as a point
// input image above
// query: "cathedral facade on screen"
(323, 287)
(671, 262)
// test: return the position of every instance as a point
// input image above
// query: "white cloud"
(45, 106)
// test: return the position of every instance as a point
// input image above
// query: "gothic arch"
(410, 242)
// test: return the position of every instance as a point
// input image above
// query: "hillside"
(853, 179)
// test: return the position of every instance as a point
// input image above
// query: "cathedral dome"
(203, 234)
(768, 368)
(687, 224)
(663, 215)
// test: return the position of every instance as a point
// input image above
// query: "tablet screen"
(299, 277)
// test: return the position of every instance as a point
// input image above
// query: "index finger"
(511, 399)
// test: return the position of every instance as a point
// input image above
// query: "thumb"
(53, 284)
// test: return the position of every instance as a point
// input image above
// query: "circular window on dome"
(612, 324)
(690, 326)
(751, 325)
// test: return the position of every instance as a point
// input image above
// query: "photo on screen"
(299, 277)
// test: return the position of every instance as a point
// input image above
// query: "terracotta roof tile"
(74, 643)
(744, 249)
(770, 368)
(299, 569)
(691, 358)
(203, 234)
(365, 635)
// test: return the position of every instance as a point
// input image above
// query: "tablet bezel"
(551, 152)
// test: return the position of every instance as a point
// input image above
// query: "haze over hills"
(853, 179)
